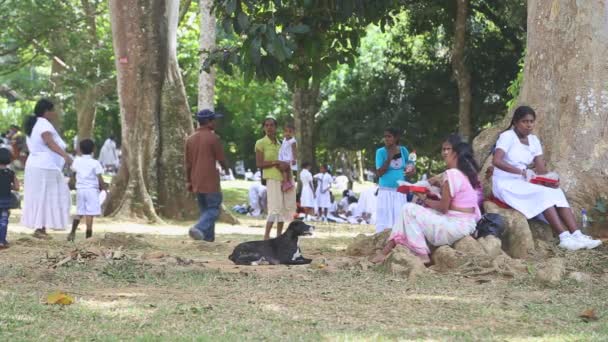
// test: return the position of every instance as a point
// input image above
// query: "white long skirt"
(307, 198)
(388, 208)
(47, 199)
(527, 198)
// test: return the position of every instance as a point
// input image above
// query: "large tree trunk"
(175, 126)
(140, 41)
(305, 101)
(206, 81)
(461, 73)
(565, 82)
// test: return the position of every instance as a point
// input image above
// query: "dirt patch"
(117, 240)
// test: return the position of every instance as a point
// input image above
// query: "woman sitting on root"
(517, 148)
(444, 221)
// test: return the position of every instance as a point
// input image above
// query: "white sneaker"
(571, 243)
(586, 240)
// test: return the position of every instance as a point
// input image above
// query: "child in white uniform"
(88, 184)
(289, 154)
(323, 192)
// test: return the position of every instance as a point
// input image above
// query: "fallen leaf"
(153, 255)
(59, 297)
(588, 315)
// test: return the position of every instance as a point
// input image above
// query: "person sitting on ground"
(257, 199)
(289, 154)
(517, 148)
(89, 183)
(444, 221)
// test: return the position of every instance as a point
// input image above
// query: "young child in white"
(323, 193)
(88, 184)
(289, 154)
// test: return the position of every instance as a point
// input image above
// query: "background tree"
(155, 117)
(298, 41)
(568, 92)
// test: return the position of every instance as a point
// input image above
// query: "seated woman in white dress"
(444, 221)
(517, 148)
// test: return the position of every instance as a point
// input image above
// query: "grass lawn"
(168, 288)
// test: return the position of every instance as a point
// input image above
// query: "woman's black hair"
(394, 132)
(42, 106)
(520, 113)
(276, 124)
(5, 156)
(466, 162)
(453, 139)
(305, 164)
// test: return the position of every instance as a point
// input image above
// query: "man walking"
(203, 150)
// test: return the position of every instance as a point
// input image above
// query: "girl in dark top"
(8, 182)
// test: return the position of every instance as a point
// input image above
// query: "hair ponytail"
(42, 106)
(467, 163)
(519, 114)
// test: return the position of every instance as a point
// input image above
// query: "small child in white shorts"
(289, 154)
(88, 184)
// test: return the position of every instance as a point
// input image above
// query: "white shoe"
(586, 240)
(571, 243)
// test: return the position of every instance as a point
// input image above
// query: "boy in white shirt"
(289, 154)
(88, 184)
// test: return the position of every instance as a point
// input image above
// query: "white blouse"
(41, 156)
(517, 154)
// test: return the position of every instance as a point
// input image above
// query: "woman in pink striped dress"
(444, 221)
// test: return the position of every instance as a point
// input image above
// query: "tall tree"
(206, 79)
(154, 112)
(568, 91)
(460, 70)
(298, 41)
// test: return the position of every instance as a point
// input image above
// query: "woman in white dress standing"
(307, 197)
(47, 199)
(517, 148)
(108, 155)
(322, 194)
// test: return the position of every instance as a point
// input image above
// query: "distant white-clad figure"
(230, 174)
(341, 183)
(257, 199)
(322, 194)
(366, 207)
(75, 142)
(257, 176)
(248, 175)
(413, 157)
(108, 155)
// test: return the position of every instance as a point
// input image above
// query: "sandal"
(41, 234)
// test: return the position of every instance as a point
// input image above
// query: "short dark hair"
(5, 156)
(290, 126)
(305, 164)
(203, 122)
(87, 146)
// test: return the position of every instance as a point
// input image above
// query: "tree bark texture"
(206, 81)
(305, 101)
(565, 81)
(565, 77)
(139, 49)
(175, 126)
(461, 73)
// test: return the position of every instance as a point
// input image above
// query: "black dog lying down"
(281, 250)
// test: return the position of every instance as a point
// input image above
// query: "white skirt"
(527, 198)
(47, 199)
(323, 199)
(307, 198)
(388, 208)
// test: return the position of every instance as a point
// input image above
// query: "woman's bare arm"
(499, 162)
